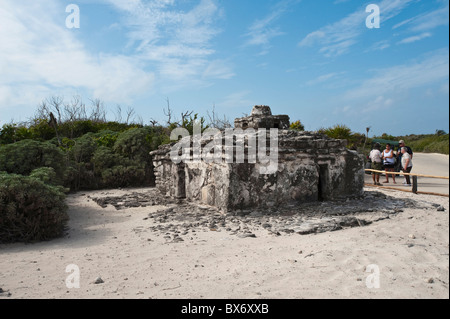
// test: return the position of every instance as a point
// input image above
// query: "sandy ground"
(410, 250)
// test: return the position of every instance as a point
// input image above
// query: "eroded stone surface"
(309, 167)
(180, 219)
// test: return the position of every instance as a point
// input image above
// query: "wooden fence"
(414, 182)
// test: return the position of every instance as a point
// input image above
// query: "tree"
(216, 122)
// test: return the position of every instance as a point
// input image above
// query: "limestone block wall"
(304, 174)
(208, 183)
(311, 167)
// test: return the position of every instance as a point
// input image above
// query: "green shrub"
(134, 144)
(340, 132)
(30, 210)
(123, 176)
(297, 126)
(190, 122)
(105, 158)
(8, 134)
(25, 156)
(83, 148)
(41, 130)
(115, 126)
(80, 171)
(116, 170)
(106, 138)
(433, 143)
(46, 175)
(441, 147)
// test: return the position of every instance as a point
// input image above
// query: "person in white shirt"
(377, 163)
(407, 164)
(389, 157)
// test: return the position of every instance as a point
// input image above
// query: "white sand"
(115, 246)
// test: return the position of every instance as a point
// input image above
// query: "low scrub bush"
(30, 210)
(25, 156)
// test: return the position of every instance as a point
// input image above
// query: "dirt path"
(136, 259)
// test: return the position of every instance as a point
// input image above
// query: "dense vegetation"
(429, 143)
(48, 156)
(65, 149)
(425, 143)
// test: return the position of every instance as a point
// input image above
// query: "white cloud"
(218, 69)
(262, 31)
(177, 42)
(396, 80)
(322, 78)
(380, 103)
(337, 38)
(237, 100)
(39, 55)
(427, 21)
(341, 110)
(415, 38)
(379, 46)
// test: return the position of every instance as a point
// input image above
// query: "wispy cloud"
(337, 38)
(427, 21)
(424, 23)
(262, 31)
(40, 55)
(167, 46)
(379, 46)
(415, 38)
(390, 82)
(323, 78)
(237, 100)
(177, 41)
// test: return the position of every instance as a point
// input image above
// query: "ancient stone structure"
(262, 118)
(310, 167)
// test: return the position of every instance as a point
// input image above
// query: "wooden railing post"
(414, 181)
(414, 187)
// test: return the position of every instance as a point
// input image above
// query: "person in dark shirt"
(399, 150)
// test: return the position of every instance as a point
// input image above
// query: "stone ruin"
(311, 167)
(262, 118)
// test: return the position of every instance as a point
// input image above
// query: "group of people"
(391, 161)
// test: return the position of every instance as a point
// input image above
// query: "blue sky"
(313, 60)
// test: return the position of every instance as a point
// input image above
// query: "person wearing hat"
(400, 154)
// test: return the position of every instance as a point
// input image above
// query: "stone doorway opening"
(323, 193)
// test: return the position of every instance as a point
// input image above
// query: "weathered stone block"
(311, 167)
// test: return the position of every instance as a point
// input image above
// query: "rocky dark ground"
(179, 219)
